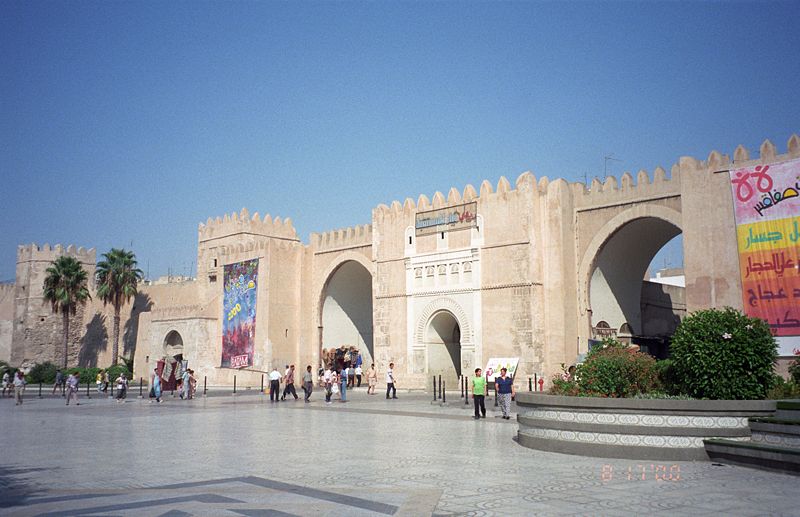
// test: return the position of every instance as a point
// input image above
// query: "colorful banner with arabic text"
(766, 200)
(239, 314)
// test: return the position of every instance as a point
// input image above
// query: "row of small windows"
(442, 269)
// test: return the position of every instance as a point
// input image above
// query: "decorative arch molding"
(606, 232)
(439, 305)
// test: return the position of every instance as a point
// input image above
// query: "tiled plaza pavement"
(242, 455)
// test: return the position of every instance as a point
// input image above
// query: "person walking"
(122, 387)
(343, 380)
(105, 381)
(155, 383)
(7, 384)
(289, 388)
(359, 371)
(98, 380)
(372, 379)
(505, 391)
(479, 393)
(390, 382)
(19, 387)
(192, 384)
(327, 378)
(351, 377)
(185, 384)
(274, 385)
(73, 382)
(308, 383)
(59, 384)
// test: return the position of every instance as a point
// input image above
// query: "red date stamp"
(641, 472)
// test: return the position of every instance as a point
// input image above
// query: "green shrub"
(794, 367)
(562, 386)
(783, 389)
(665, 370)
(114, 371)
(615, 370)
(85, 374)
(43, 372)
(723, 354)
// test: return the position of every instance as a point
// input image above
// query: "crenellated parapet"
(354, 236)
(47, 253)
(243, 223)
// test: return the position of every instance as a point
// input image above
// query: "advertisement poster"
(766, 200)
(239, 314)
(448, 219)
(495, 363)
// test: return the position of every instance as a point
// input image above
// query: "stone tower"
(37, 333)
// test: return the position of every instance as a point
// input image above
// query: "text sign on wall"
(766, 200)
(239, 314)
(447, 219)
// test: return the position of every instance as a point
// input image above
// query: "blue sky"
(128, 123)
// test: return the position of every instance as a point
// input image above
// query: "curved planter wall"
(632, 428)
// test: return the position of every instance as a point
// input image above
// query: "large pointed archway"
(346, 309)
(443, 343)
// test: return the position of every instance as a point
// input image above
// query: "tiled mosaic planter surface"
(631, 428)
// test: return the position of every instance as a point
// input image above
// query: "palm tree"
(65, 286)
(117, 278)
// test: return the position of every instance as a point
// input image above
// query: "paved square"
(243, 455)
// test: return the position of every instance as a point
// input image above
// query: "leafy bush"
(84, 374)
(43, 372)
(616, 370)
(665, 371)
(114, 371)
(783, 389)
(723, 354)
(794, 367)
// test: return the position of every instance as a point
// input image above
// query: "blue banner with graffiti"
(239, 314)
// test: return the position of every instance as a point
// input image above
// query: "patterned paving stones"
(242, 455)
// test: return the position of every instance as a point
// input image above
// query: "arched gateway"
(525, 269)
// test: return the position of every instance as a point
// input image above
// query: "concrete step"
(756, 455)
(788, 410)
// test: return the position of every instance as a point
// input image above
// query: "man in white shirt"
(390, 382)
(274, 385)
(359, 371)
(327, 379)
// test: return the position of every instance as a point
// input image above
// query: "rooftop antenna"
(606, 159)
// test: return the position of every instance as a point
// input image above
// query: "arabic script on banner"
(766, 200)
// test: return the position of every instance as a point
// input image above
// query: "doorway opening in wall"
(637, 285)
(347, 312)
(443, 344)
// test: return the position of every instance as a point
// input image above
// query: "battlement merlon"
(47, 253)
(360, 235)
(242, 223)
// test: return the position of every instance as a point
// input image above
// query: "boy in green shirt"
(478, 393)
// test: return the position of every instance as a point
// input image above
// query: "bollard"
(262, 383)
(440, 386)
(530, 384)
(541, 384)
(495, 392)
(444, 393)
(535, 380)
(234, 385)
(461, 381)
(141, 385)
(112, 390)
(204, 386)
(466, 392)
(40, 390)
(434, 388)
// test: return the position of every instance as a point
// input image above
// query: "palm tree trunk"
(115, 349)
(66, 337)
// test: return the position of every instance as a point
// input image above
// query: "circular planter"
(637, 429)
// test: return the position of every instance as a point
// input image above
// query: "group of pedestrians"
(15, 385)
(504, 386)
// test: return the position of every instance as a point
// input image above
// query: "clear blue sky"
(131, 122)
